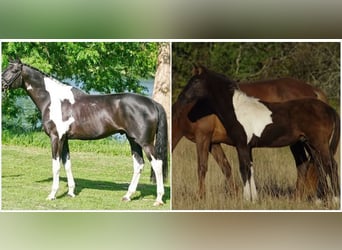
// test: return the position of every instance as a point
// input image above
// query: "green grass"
(102, 171)
(275, 176)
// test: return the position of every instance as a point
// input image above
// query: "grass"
(102, 171)
(275, 176)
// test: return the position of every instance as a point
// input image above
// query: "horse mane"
(45, 74)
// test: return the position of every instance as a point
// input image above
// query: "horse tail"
(320, 95)
(161, 142)
(335, 136)
(333, 144)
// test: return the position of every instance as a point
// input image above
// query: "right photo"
(256, 126)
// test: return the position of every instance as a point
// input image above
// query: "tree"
(315, 63)
(161, 88)
(103, 67)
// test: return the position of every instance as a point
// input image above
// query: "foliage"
(40, 140)
(316, 63)
(93, 66)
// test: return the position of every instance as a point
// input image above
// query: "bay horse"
(69, 113)
(255, 123)
(197, 123)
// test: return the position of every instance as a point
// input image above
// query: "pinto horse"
(69, 113)
(206, 130)
(254, 123)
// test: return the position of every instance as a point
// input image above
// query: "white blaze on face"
(58, 93)
(251, 114)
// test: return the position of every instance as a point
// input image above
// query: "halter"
(6, 84)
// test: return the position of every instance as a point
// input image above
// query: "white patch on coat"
(253, 115)
(58, 93)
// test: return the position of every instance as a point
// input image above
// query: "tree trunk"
(162, 88)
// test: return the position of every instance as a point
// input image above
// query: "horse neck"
(35, 87)
(179, 118)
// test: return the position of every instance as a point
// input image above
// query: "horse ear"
(201, 69)
(194, 70)
(197, 70)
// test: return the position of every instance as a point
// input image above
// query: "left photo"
(85, 125)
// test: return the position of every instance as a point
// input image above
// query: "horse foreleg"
(56, 166)
(221, 159)
(202, 146)
(138, 165)
(247, 174)
(67, 165)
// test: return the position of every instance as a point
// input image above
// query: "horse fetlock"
(71, 193)
(158, 203)
(51, 197)
(127, 196)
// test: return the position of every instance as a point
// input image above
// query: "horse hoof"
(158, 203)
(51, 198)
(126, 199)
(71, 195)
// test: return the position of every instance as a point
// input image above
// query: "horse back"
(282, 89)
(104, 115)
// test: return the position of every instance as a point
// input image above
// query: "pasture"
(275, 176)
(102, 170)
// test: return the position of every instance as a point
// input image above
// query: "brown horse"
(208, 132)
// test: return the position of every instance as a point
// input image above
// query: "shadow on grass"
(144, 189)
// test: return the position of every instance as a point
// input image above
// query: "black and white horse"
(69, 113)
(254, 123)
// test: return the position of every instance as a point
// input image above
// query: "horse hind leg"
(157, 166)
(300, 158)
(138, 165)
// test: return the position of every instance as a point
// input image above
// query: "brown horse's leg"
(221, 159)
(323, 164)
(202, 146)
(306, 173)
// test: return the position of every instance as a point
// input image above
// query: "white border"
(170, 142)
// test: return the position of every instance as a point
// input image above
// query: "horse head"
(12, 75)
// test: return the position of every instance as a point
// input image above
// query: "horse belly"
(275, 136)
(92, 127)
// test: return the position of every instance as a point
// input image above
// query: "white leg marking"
(249, 190)
(56, 166)
(70, 177)
(137, 168)
(157, 166)
(253, 187)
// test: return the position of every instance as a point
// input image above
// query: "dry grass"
(275, 176)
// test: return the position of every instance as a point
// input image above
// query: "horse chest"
(61, 99)
(253, 115)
